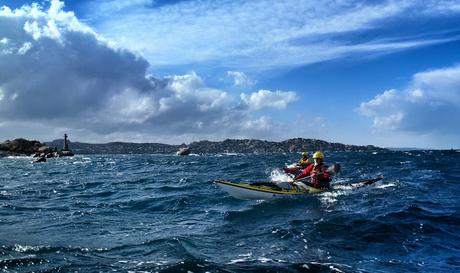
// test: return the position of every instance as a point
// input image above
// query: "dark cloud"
(56, 71)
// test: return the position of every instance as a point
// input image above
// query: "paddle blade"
(334, 169)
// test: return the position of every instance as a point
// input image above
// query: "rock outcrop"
(184, 151)
(40, 151)
(20, 146)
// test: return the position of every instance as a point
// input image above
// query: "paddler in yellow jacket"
(304, 161)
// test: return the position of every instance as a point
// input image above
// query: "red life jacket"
(319, 174)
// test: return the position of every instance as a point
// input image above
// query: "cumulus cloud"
(53, 66)
(240, 79)
(57, 72)
(429, 105)
(266, 98)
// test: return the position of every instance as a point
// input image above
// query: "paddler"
(304, 161)
(318, 172)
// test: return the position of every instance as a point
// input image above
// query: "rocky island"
(41, 151)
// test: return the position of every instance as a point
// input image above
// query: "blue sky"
(385, 73)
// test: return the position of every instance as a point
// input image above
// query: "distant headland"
(213, 147)
(31, 147)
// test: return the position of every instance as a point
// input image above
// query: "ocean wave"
(161, 213)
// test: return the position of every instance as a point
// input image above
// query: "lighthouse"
(66, 144)
(66, 151)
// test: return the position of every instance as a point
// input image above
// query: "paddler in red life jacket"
(319, 175)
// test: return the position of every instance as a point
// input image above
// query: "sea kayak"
(269, 190)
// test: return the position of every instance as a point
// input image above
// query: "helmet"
(304, 154)
(318, 154)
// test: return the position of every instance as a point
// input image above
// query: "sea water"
(162, 213)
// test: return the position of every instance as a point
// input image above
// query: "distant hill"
(209, 147)
(117, 147)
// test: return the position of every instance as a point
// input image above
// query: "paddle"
(334, 169)
(359, 183)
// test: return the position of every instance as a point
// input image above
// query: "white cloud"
(57, 74)
(24, 48)
(129, 106)
(263, 123)
(266, 98)
(240, 79)
(429, 105)
(237, 34)
(190, 92)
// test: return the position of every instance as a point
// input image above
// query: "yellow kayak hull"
(248, 191)
(268, 190)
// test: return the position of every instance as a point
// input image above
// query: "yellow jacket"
(304, 162)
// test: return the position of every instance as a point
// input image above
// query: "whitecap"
(20, 248)
(19, 157)
(279, 176)
(331, 197)
(264, 260)
(235, 261)
(383, 186)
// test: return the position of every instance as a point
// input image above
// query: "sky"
(384, 73)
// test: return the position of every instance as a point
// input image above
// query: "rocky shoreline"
(24, 147)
